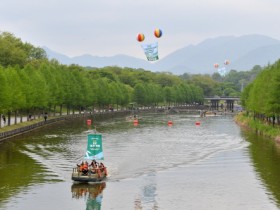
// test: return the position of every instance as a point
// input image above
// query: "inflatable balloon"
(158, 33)
(226, 62)
(151, 49)
(216, 65)
(140, 37)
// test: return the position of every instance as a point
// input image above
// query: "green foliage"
(258, 125)
(230, 85)
(31, 83)
(14, 52)
(207, 84)
(140, 94)
(263, 96)
(4, 93)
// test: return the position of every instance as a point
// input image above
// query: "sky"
(109, 27)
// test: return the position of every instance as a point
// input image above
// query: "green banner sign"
(94, 147)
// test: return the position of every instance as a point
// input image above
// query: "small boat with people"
(93, 171)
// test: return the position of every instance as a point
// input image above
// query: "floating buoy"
(169, 123)
(135, 122)
(197, 123)
(89, 122)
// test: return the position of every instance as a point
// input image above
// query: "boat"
(93, 172)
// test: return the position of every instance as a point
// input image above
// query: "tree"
(16, 95)
(139, 94)
(206, 83)
(14, 52)
(4, 93)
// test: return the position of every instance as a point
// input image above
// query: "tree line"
(32, 84)
(261, 98)
(232, 84)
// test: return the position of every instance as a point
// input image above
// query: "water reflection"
(146, 198)
(92, 193)
(265, 155)
(17, 171)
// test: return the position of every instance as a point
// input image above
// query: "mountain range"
(243, 52)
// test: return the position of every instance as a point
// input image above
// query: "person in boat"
(93, 169)
(93, 163)
(80, 166)
(85, 168)
(103, 168)
(98, 171)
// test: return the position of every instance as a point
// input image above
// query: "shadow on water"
(92, 193)
(265, 155)
(39, 157)
(20, 166)
(14, 177)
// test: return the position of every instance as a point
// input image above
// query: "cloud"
(108, 28)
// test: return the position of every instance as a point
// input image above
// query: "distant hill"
(96, 61)
(244, 53)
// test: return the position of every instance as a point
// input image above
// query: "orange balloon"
(216, 65)
(140, 37)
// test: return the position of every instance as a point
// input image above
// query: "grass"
(259, 126)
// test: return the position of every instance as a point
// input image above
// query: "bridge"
(216, 100)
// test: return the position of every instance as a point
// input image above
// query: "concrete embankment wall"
(28, 128)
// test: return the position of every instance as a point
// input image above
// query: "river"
(153, 166)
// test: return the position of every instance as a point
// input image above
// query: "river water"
(151, 166)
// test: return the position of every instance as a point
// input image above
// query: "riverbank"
(259, 127)
(28, 126)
